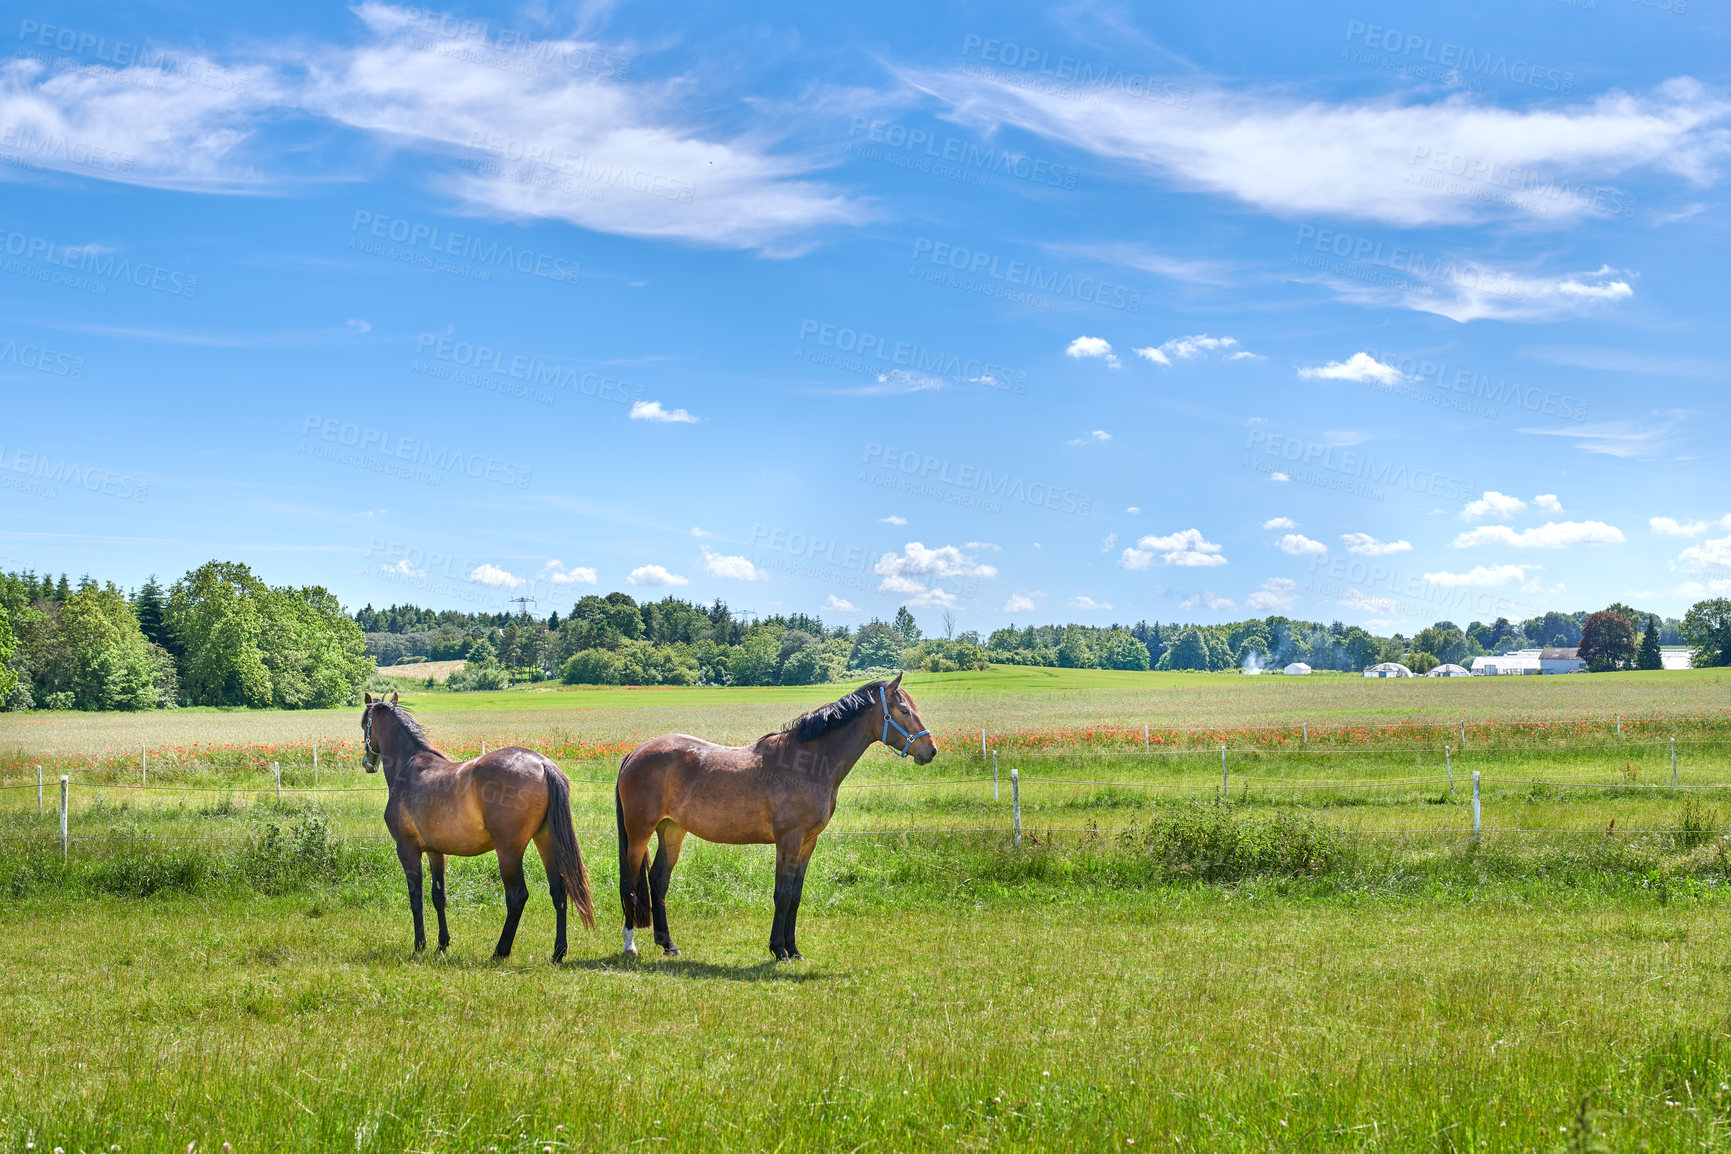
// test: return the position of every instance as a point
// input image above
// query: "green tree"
(1190, 651)
(1076, 651)
(906, 626)
(1707, 629)
(756, 662)
(1607, 641)
(1119, 649)
(1648, 657)
(876, 646)
(8, 645)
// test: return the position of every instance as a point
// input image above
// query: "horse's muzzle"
(370, 762)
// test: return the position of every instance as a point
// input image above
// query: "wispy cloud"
(1193, 348)
(1086, 602)
(1671, 527)
(1481, 576)
(1367, 546)
(1277, 595)
(1654, 436)
(1209, 601)
(1551, 535)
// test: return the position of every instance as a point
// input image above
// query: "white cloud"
(494, 577)
(700, 533)
(1086, 602)
(1107, 542)
(1296, 155)
(1359, 599)
(903, 585)
(1360, 367)
(1481, 576)
(1280, 523)
(733, 568)
(1365, 544)
(1278, 477)
(555, 572)
(935, 599)
(652, 411)
(982, 545)
(1670, 527)
(1710, 556)
(1547, 503)
(1093, 348)
(944, 561)
(403, 568)
(360, 326)
(834, 604)
(654, 575)
(1550, 535)
(1017, 603)
(897, 382)
(1133, 509)
(1208, 601)
(1299, 545)
(1096, 435)
(1186, 549)
(892, 519)
(1493, 504)
(1649, 437)
(1718, 587)
(1277, 595)
(1190, 348)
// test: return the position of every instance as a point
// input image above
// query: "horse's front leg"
(798, 893)
(787, 863)
(437, 861)
(410, 856)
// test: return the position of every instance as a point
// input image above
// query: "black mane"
(809, 726)
(410, 726)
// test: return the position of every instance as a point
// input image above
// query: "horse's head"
(903, 731)
(370, 756)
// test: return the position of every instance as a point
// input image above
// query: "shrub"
(1215, 843)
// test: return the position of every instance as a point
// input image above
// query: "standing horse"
(780, 789)
(500, 801)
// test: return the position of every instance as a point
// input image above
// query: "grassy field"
(1322, 958)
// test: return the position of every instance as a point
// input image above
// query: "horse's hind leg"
(798, 893)
(671, 837)
(516, 897)
(437, 862)
(410, 856)
(555, 890)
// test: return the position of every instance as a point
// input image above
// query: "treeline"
(218, 636)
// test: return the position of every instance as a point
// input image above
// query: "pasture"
(1317, 956)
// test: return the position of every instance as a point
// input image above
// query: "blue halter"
(891, 723)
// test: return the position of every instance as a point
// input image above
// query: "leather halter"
(891, 723)
(370, 750)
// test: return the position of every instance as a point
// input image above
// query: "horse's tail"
(633, 891)
(567, 858)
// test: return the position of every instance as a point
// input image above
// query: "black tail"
(633, 892)
(566, 856)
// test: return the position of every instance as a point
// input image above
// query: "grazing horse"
(780, 789)
(500, 801)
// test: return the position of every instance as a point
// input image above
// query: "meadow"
(1319, 956)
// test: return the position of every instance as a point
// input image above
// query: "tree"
(1648, 657)
(906, 626)
(149, 607)
(1607, 642)
(1121, 650)
(876, 646)
(1190, 651)
(1074, 651)
(1707, 629)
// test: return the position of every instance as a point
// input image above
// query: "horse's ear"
(393, 699)
(897, 683)
(369, 698)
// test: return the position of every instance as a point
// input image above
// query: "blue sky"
(1372, 312)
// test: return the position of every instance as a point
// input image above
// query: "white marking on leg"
(630, 940)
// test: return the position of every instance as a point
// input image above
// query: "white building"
(1561, 661)
(1507, 664)
(1449, 671)
(1676, 657)
(1297, 668)
(1388, 669)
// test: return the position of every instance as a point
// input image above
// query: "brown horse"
(780, 789)
(500, 801)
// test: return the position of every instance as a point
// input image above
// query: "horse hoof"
(630, 955)
(795, 956)
(558, 956)
(670, 951)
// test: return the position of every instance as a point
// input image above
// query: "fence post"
(276, 770)
(483, 747)
(1016, 802)
(1450, 761)
(1225, 793)
(1145, 746)
(1673, 763)
(1306, 732)
(982, 743)
(994, 777)
(1619, 725)
(1463, 733)
(144, 764)
(39, 789)
(1475, 806)
(315, 763)
(65, 795)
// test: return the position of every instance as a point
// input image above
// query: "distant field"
(419, 671)
(956, 705)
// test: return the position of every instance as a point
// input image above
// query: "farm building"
(1388, 669)
(1676, 657)
(1449, 671)
(1297, 668)
(1507, 664)
(1561, 661)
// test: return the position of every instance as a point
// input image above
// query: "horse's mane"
(409, 724)
(823, 719)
